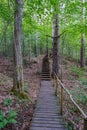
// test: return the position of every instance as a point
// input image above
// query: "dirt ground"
(24, 108)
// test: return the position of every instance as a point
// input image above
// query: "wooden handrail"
(73, 101)
(67, 91)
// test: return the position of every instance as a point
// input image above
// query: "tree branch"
(58, 35)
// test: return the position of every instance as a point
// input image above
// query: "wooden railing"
(63, 88)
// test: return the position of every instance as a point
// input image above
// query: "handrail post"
(85, 124)
(56, 86)
(54, 82)
(61, 100)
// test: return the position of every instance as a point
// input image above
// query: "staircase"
(45, 69)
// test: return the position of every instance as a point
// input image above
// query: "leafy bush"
(77, 71)
(9, 117)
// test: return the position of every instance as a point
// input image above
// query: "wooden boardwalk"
(47, 113)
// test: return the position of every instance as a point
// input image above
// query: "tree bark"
(35, 47)
(82, 50)
(82, 53)
(55, 65)
(18, 68)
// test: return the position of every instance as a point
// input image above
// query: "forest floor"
(24, 108)
(73, 77)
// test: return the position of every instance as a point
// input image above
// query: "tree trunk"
(35, 48)
(23, 47)
(82, 53)
(82, 50)
(18, 68)
(47, 48)
(55, 65)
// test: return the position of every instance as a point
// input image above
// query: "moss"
(22, 95)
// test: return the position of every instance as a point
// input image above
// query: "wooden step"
(47, 79)
(47, 112)
(44, 128)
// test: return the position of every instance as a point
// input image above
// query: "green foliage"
(84, 99)
(7, 101)
(25, 62)
(38, 19)
(26, 88)
(80, 95)
(70, 78)
(83, 82)
(70, 126)
(3, 120)
(9, 117)
(76, 71)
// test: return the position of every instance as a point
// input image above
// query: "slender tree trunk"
(35, 47)
(30, 48)
(55, 65)
(82, 50)
(82, 53)
(30, 52)
(23, 47)
(63, 38)
(41, 49)
(18, 68)
(4, 39)
(47, 48)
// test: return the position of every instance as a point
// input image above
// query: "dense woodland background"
(31, 28)
(37, 26)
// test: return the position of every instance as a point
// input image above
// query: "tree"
(82, 51)
(55, 65)
(18, 68)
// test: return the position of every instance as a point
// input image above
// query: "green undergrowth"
(9, 117)
(79, 95)
(83, 82)
(26, 87)
(76, 71)
(22, 95)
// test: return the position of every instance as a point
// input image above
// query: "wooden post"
(61, 100)
(54, 82)
(56, 86)
(85, 124)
